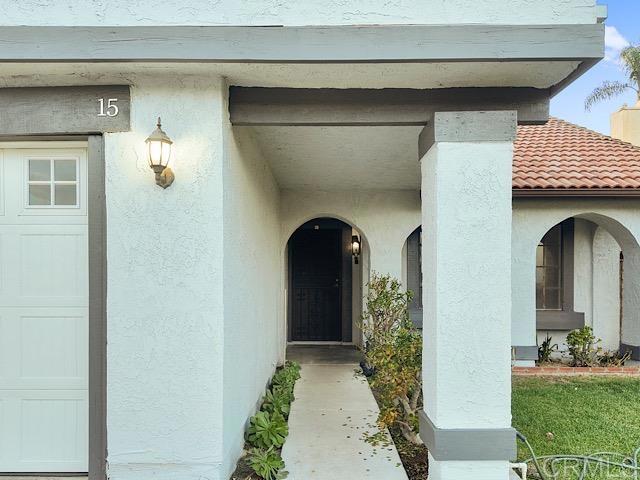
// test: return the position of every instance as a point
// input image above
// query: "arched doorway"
(580, 279)
(323, 280)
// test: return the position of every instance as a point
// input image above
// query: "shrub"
(583, 347)
(613, 359)
(277, 399)
(394, 351)
(286, 377)
(546, 349)
(267, 463)
(267, 430)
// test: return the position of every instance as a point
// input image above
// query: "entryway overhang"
(381, 56)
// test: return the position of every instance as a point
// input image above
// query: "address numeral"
(108, 108)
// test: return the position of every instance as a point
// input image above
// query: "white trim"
(44, 144)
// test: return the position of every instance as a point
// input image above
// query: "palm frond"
(606, 91)
(630, 58)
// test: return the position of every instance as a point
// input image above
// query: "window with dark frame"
(549, 270)
(414, 275)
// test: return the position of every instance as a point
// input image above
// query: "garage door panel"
(52, 429)
(53, 348)
(43, 265)
(50, 344)
(43, 319)
(53, 265)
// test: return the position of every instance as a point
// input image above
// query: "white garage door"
(43, 309)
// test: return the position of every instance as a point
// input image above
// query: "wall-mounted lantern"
(159, 145)
(355, 247)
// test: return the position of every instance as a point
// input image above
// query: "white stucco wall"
(606, 289)
(252, 294)
(618, 225)
(301, 12)
(583, 268)
(164, 288)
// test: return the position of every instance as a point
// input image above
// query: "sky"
(622, 29)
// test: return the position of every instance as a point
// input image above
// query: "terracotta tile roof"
(564, 156)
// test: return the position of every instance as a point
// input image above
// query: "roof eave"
(576, 192)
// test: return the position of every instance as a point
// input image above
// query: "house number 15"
(108, 109)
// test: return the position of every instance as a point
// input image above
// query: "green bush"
(267, 463)
(286, 377)
(267, 430)
(277, 399)
(583, 347)
(546, 349)
(394, 350)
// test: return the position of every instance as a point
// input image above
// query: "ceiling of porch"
(341, 157)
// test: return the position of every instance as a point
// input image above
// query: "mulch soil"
(414, 457)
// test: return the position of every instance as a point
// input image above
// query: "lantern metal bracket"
(164, 175)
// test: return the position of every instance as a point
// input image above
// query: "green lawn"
(584, 416)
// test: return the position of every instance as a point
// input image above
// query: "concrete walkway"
(333, 410)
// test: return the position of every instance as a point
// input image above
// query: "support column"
(466, 160)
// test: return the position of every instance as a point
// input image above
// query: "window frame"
(559, 266)
(52, 182)
(415, 276)
(565, 318)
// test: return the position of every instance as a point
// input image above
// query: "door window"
(52, 182)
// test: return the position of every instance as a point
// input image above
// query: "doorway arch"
(626, 289)
(324, 282)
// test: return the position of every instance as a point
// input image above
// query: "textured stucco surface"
(380, 75)
(165, 298)
(606, 289)
(252, 295)
(303, 12)
(466, 283)
(620, 219)
(466, 205)
(342, 158)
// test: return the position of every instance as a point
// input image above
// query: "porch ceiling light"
(159, 145)
(355, 247)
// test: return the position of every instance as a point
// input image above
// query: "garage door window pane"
(65, 195)
(39, 170)
(39, 194)
(65, 170)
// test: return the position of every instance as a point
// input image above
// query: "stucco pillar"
(523, 280)
(630, 336)
(164, 292)
(466, 206)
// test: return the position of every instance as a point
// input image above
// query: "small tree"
(394, 350)
(630, 60)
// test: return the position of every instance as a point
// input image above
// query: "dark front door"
(316, 266)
